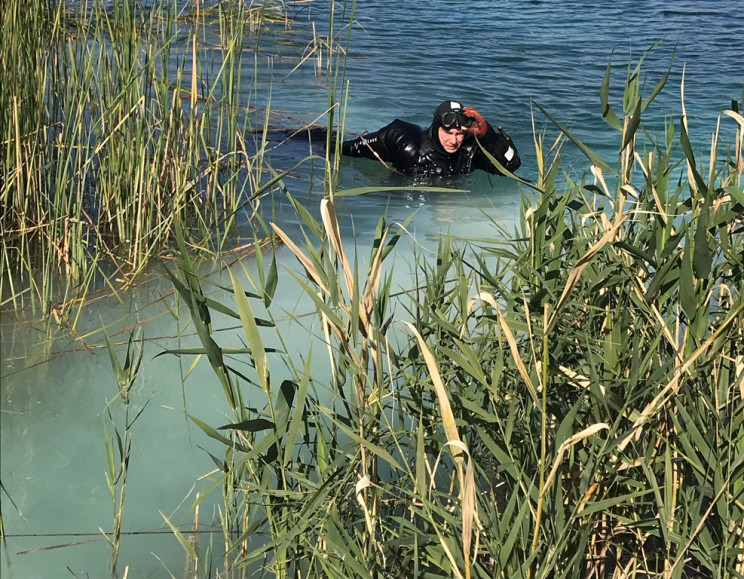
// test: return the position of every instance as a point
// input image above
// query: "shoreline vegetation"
(564, 400)
(134, 122)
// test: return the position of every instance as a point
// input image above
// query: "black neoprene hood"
(452, 107)
(448, 106)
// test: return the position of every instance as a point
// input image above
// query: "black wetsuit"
(411, 149)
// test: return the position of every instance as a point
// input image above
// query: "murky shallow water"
(497, 57)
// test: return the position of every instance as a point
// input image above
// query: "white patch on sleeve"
(509, 154)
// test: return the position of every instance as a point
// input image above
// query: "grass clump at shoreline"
(568, 403)
(112, 131)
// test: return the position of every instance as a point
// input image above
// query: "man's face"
(451, 139)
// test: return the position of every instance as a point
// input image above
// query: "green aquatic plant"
(119, 447)
(617, 307)
(111, 130)
(564, 401)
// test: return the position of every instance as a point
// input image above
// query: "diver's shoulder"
(402, 130)
(402, 126)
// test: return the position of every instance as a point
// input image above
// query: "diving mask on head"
(450, 115)
(455, 119)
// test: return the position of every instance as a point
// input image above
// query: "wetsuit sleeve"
(501, 147)
(364, 146)
(396, 144)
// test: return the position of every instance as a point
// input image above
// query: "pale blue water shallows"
(405, 57)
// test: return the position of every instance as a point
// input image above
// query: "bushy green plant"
(569, 402)
(115, 127)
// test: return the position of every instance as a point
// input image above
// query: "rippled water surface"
(405, 57)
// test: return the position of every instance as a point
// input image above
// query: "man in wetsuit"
(447, 147)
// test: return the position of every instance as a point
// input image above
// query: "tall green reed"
(330, 54)
(110, 130)
(119, 447)
(620, 298)
(337, 86)
(564, 401)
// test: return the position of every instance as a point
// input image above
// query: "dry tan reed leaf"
(330, 222)
(370, 289)
(448, 418)
(630, 190)
(467, 498)
(597, 172)
(468, 512)
(672, 385)
(299, 254)
(740, 137)
(489, 299)
(373, 279)
(529, 212)
(453, 563)
(362, 484)
(736, 116)
(575, 273)
(605, 221)
(567, 444)
(578, 380)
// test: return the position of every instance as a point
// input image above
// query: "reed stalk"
(119, 449)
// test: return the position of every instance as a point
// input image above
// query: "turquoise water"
(498, 57)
